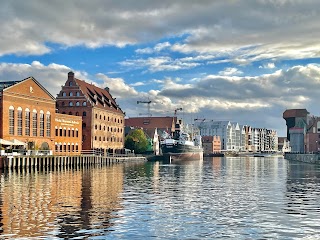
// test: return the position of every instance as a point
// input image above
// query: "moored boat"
(181, 146)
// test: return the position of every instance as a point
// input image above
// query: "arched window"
(19, 121)
(60, 131)
(34, 123)
(70, 94)
(70, 83)
(41, 123)
(48, 121)
(96, 115)
(64, 94)
(57, 131)
(64, 132)
(11, 120)
(77, 94)
(84, 104)
(96, 126)
(27, 122)
(84, 114)
(77, 104)
(77, 113)
(70, 104)
(77, 132)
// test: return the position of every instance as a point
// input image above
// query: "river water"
(230, 198)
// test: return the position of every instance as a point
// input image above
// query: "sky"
(246, 61)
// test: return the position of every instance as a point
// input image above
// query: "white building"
(235, 137)
(231, 134)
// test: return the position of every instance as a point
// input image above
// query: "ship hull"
(181, 152)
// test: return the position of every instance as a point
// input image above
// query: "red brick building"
(211, 144)
(68, 134)
(28, 115)
(149, 124)
(102, 118)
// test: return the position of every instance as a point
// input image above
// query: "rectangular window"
(41, 124)
(34, 124)
(27, 123)
(19, 122)
(48, 125)
(11, 121)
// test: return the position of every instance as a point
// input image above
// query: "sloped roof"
(99, 97)
(151, 122)
(7, 84)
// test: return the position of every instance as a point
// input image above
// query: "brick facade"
(33, 119)
(102, 118)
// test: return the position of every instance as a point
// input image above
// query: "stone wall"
(307, 158)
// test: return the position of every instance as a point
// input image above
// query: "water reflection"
(239, 198)
(65, 203)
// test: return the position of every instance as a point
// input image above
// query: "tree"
(137, 141)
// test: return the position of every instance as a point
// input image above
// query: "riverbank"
(11, 162)
(313, 158)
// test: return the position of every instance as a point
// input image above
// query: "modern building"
(235, 137)
(102, 118)
(28, 116)
(230, 133)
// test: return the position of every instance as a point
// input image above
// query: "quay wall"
(313, 158)
(12, 162)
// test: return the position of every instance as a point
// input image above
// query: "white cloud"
(157, 64)
(268, 30)
(230, 72)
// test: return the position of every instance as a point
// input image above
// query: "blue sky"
(240, 60)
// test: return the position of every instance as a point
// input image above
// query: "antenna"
(147, 102)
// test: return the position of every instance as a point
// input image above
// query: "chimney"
(70, 76)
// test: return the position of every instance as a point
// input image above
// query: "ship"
(181, 145)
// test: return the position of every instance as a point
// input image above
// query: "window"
(77, 133)
(70, 94)
(77, 104)
(64, 94)
(70, 104)
(77, 94)
(41, 123)
(20, 121)
(84, 114)
(27, 122)
(34, 123)
(60, 132)
(96, 115)
(84, 104)
(70, 84)
(57, 131)
(84, 125)
(11, 120)
(48, 121)
(77, 113)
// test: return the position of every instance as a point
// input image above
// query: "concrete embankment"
(12, 162)
(313, 158)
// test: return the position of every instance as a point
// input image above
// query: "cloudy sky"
(240, 60)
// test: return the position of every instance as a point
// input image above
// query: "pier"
(51, 161)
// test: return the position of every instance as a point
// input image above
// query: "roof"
(7, 84)
(151, 122)
(295, 113)
(98, 97)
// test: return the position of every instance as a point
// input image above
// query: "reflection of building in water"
(27, 205)
(62, 202)
(302, 190)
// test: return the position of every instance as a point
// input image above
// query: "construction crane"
(147, 102)
(176, 110)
